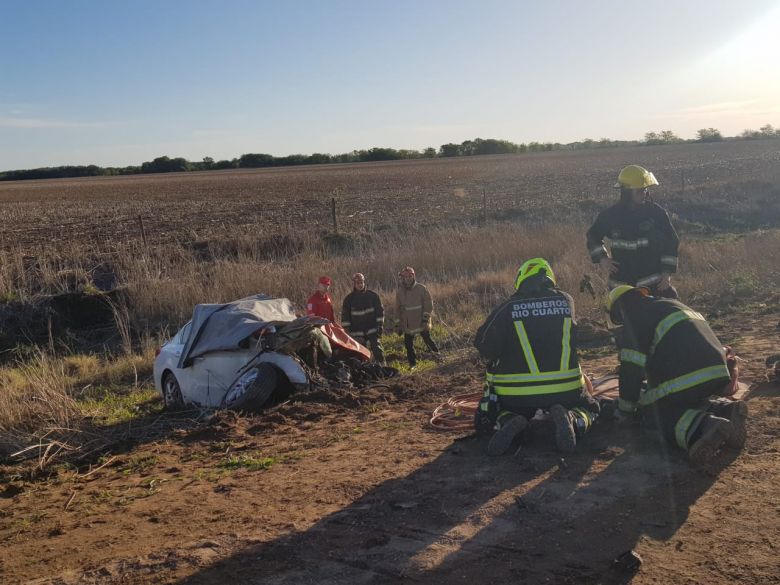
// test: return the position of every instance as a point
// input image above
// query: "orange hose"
(457, 414)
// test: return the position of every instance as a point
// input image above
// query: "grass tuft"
(249, 462)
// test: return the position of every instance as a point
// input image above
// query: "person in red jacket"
(320, 304)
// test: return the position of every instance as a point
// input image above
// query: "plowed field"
(700, 182)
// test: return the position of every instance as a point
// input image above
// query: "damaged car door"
(211, 375)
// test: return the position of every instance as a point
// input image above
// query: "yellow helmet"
(635, 177)
(531, 267)
(616, 293)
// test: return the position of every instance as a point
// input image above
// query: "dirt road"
(359, 490)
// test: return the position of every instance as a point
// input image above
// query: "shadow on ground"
(466, 518)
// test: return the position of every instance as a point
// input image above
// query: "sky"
(122, 82)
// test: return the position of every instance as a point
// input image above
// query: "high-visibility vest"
(531, 347)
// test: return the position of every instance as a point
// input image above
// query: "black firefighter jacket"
(643, 242)
(672, 346)
(532, 350)
(362, 314)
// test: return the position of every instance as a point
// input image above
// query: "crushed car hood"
(221, 327)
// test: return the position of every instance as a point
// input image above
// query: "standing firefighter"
(320, 304)
(414, 308)
(363, 316)
(532, 351)
(685, 366)
(642, 239)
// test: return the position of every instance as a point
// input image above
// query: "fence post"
(143, 231)
(484, 206)
(682, 180)
(334, 213)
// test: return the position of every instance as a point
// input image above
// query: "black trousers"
(376, 347)
(661, 416)
(489, 410)
(668, 293)
(528, 405)
(372, 342)
(411, 356)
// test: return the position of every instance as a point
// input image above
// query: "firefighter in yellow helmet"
(643, 243)
(531, 348)
(673, 348)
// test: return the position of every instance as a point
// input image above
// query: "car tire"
(171, 392)
(252, 389)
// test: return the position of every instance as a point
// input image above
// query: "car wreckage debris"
(354, 373)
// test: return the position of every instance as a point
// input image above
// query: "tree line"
(477, 146)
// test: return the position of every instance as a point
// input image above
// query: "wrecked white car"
(237, 355)
(227, 355)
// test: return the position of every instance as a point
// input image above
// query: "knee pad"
(687, 425)
(583, 419)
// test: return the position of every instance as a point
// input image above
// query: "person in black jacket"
(642, 240)
(530, 344)
(363, 316)
(674, 349)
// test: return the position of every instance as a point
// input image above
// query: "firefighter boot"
(736, 411)
(570, 424)
(565, 435)
(486, 415)
(510, 427)
(712, 433)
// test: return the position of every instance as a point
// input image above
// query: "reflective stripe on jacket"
(362, 313)
(414, 307)
(532, 350)
(642, 239)
(672, 346)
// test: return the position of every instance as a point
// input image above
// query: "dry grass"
(36, 405)
(46, 400)
(468, 270)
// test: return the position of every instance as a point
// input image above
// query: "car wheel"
(172, 396)
(252, 389)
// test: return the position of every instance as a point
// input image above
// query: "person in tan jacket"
(414, 308)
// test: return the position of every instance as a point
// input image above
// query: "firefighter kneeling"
(532, 351)
(672, 347)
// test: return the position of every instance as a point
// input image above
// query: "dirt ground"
(360, 490)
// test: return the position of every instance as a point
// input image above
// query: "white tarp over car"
(222, 327)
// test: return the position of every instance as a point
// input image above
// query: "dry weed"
(36, 406)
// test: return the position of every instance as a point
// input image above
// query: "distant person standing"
(320, 304)
(363, 316)
(642, 240)
(414, 308)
